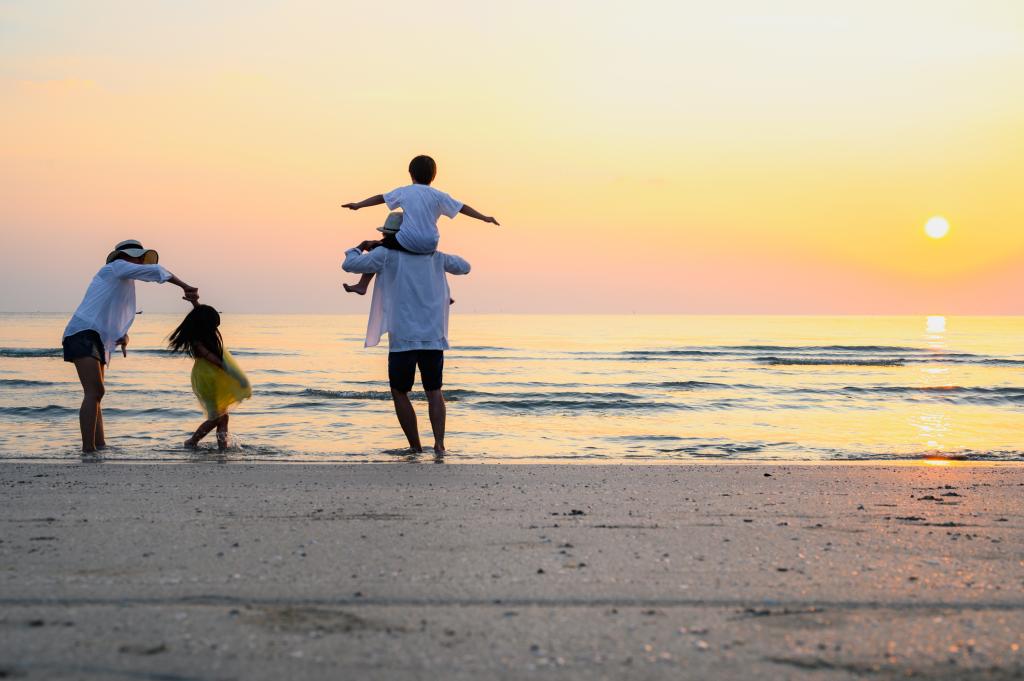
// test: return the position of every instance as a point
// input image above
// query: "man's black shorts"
(402, 369)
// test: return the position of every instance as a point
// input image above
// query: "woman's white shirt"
(108, 307)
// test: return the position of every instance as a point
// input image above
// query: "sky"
(647, 157)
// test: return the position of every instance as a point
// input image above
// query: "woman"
(101, 323)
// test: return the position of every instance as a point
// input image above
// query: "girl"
(216, 379)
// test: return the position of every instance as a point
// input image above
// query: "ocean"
(551, 388)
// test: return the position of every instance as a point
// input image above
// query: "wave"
(979, 395)
(25, 383)
(823, 348)
(576, 405)
(31, 352)
(26, 353)
(813, 355)
(47, 410)
(239, 352)
(687, 385)
(955, 455)
(829, 361)
(60, 410)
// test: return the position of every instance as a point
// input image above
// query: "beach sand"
(276, 571)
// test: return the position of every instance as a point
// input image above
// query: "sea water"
(551, 389)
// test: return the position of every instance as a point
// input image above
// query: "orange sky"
(649, 157)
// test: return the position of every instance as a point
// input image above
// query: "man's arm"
(474, 213)
(365, 203)
(363, 263)
(453, 264)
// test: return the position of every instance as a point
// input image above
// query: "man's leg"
(431, 363)
(407, 418)
(438, 413)
(90, 373)
(401, 373)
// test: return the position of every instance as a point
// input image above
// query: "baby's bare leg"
(222, 432)
(360, 288)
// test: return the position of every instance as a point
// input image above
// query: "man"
(410, 304)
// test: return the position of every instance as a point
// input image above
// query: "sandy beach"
(207, 571)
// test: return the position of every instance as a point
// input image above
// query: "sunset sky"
(641, 157)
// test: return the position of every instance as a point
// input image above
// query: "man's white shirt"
(410, 296)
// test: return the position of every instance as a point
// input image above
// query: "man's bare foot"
(439, 449)
(190, 443)
(355, 288)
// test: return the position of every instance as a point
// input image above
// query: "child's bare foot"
(355, 288)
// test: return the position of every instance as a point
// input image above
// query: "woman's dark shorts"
(402, 369)
(84, 344)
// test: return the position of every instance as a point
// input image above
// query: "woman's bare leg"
(101, 438)
(90, 373)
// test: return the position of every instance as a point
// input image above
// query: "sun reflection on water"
(934, 426)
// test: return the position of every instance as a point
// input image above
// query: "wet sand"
(208, 571)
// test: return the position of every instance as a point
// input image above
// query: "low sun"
(936, 227)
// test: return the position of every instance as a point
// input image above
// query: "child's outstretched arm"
(474, 213)
(365, 203)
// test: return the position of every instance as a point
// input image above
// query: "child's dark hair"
(200, 326)
(422, 169)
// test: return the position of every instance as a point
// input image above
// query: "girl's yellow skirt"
(216, 390)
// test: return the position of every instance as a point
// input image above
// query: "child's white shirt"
(422, 205)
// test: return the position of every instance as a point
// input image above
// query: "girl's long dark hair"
(200, 326)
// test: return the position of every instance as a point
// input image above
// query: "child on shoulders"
(422, 205)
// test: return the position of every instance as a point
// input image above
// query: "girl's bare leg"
(222, 432)
(90, 373)
(201, 432)
(361, 287)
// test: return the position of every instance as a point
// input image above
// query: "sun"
(936, 227)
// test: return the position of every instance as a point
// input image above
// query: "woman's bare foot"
(355, 288)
